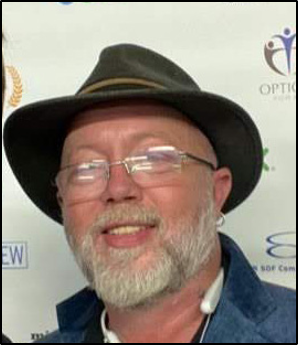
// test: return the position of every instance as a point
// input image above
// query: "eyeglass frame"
(124, 162)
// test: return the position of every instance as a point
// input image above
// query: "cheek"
(175, 203)
(79, 218)
(181, 201)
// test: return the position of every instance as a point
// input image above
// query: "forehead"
(131, 122)
(148, 112)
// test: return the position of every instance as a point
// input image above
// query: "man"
(144, 165)
(5, 340)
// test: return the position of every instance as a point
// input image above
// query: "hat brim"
(34, 137)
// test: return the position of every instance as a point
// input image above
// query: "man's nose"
(120, 186)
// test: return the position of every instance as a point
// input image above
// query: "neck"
(174, 319)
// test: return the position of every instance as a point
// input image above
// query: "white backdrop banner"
(243, 50)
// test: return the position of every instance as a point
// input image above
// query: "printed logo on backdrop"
(37, 336)
(15, 255)
(14, 87)
(280, 53)
(266, 165)
(282, 245)
(70, 3)
(280, 57)
(74, 3)
(281, 248)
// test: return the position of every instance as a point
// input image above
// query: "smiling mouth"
(127, 229)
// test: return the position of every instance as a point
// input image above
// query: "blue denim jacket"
(249, 312)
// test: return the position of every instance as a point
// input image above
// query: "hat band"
(120, 81)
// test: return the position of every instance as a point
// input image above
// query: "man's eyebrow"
(69, 155)
(149, 135)
(134, 137)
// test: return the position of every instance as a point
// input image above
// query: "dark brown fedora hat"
(34, 134)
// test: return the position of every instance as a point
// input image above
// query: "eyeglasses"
(157, 166)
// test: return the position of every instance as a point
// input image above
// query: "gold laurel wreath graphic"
(16, 97)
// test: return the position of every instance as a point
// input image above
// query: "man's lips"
(126, 228)
(127, 235)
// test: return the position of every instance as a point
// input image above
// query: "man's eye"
(85, 173)
(161, 157)
(81, 175)
(156, 162)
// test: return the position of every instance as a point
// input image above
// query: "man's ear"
(222, 187)
(59, 199)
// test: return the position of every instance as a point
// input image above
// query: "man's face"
(137, 243)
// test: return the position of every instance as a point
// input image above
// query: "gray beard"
(118, 275)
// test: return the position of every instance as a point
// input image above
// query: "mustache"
(124, 214)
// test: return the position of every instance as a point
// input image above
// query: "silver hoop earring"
(220, 222)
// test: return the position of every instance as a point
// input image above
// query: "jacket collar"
(244, 303)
